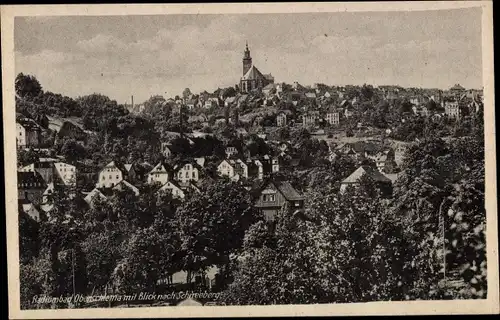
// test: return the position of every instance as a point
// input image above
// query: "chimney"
(132, 102)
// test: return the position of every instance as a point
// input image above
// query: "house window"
(103, 178)
(117, 177)
(110, 177)
(194, 175)
(269, 198)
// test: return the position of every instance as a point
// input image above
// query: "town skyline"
(161, 55)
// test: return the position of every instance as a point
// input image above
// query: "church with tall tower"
(252, 78)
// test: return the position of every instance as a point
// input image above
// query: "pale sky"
(120, 56)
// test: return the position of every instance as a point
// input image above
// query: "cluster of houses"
(36, 181)
(29, 132)
(328, 105)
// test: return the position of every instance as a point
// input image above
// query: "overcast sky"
(120, 56)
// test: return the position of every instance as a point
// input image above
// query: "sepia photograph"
(183, 155)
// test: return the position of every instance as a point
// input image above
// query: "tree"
(277, 268)
(25, 157)
(35, 278)
(27, 86)
(28, 238)
(73, 151)
(186, 93)
(212, 224)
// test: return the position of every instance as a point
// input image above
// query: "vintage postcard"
(266, 159)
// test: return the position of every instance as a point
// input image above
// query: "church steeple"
(247, 60)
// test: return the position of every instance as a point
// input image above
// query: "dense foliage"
(426, 242)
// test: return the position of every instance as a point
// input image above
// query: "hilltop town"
(176, 191)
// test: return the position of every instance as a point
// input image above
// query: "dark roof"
(253, 74)
(30, 180)
(368, 170)
(28, 124)
(362, 146)
(288, 191)
(117, 164)
(178, 165)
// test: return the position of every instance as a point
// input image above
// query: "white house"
(174, 189)
(159, 174)
(27, 133)
(452, 109)
(187, 172)
(333, 117)
(232, 168)
(110, 175)
(53, 171)
(281, 119)
(66, 173)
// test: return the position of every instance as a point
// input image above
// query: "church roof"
(253, 74)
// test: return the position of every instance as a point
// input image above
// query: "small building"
(174, 189)
(111, 175)
(332, 116)
(166, 150)
(65, 173)
(310, 95)
(137, 172)
(161, 173)
(281, 119)
(256, 169)
(310, 118)
(67, 128)
(452, 109)
(28, 133)
(275, 195)
(383, 183)
(30, 187)
(30, 209)
(187, 171)
(233, 169)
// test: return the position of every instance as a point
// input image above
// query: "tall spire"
(247, 59)
(247, 51)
